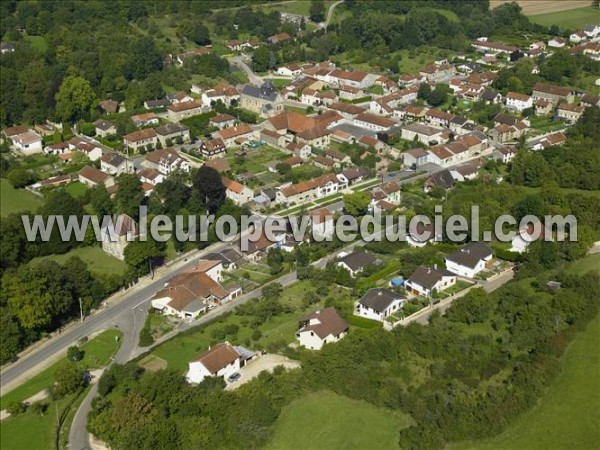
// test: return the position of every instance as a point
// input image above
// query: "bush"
(146, 338)
(16, 408)
(39, 408)
(75, 354)
(256, 335)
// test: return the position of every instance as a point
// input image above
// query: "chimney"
(435, 266)
(429, 270)
(379, 292)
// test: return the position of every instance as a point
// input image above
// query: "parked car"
(234, 377)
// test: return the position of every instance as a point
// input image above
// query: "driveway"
(264, 362)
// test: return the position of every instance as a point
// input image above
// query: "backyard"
(335, 421)
(17, 200)
(96, 259)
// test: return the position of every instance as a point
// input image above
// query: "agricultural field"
(96, 259)
(17, 200)
(565, 416)
(543, 7)
(335, 421)
(573, 19)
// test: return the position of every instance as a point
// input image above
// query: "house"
(172, 132)
(356, 262)
(553, 94)
(212, 148)
(183, 110)
(109, 106)
(308, 190)
(354, 78)
(518, 102)
(178, 97)
(279, 38)
(151, 176)
(147, 138)
(421, 133)
(389, 192)
(290, 70)
(200, 51)
(569, 113)
(379, 303)
(373, 122)
(115, 164)
(220, 360)
(543, 107)
(231, 134)
(258, 249)
(104, 128)
(7, 47)
(483, 45)
(578, 37)
(145, 120)
(312, 131)
(302, 150)
(157, 104)
(469, 260)
(506, 153)
(337, 157)
(371, 142)
(224, 93)
(166, 161)
(229, 258)
(347, 110)
(90, 176)
(191, 293)
(237, 192)
(422, 234)
(592, 30)
(222, 121)
(27, 143)
(263, 100)
(353, 175)
(321, 327)
(549, 140)
(415, 157)
(346, 92)
(117, 235)
(491, 97)
(322, 223)
(556, 42)
(437, 118)
(426, 281)
(220, 164)
(442, 179)
(435, 73)
(588, 100)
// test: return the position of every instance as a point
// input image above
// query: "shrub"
(16, 408)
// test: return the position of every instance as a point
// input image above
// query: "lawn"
(76, 189)
(279, 83)
(325, 420)
(573, 19)
(565, 416)
(98, 352)
(38, 43)
(96, 259)
(587, 264)
(255, 160)
(17, 200)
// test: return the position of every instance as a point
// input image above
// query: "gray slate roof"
(358, 260)
(379, 299)
(470, 254)
(265, 92)
(428, 276)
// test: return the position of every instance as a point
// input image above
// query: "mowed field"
(536, 7)
(567, 416)
(574, 19)
(325, 420)
(16, 200)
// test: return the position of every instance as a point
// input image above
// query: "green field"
(38, 43)
(76, 189)
(98, 352)
(573, 19)
(567, 416)
(96, 259)
(16, 200)
(587, 264)
(325, 420)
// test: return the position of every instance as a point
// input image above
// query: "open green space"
(16, 200)
(585, 265)
(279, 83)
(255, 159)
(325, 420)
(96, 259)
(573, 19)
(38, 43)
(98, 352)
(566, 417)
(76, 189)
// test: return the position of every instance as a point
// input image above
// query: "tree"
(139, 253)
(20, 177)
(261, 59)
(144, 59)
(199, 34)
(317, 11)
(130, 194)
(100, 200)
(424, 91)
(210, 190)
(10, 335)
(437, 97)
(39, 408)
(69, 378)
(357, 203)
(75, 99)
(75, 354)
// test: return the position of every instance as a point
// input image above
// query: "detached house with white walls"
(469, 260)
(379, 303)
(220, 360)
(427, 280)
(517, 101)
(321, 327)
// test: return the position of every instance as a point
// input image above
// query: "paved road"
(330, 14)
(238, 61)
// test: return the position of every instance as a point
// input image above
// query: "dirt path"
(535, 7)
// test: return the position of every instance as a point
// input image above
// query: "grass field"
(76, 189)
(16, 200)
(38, 43)
(96, 259)
(587, 264)
(574, 19)
(98, 352)
(567, 415)
(325, 420)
